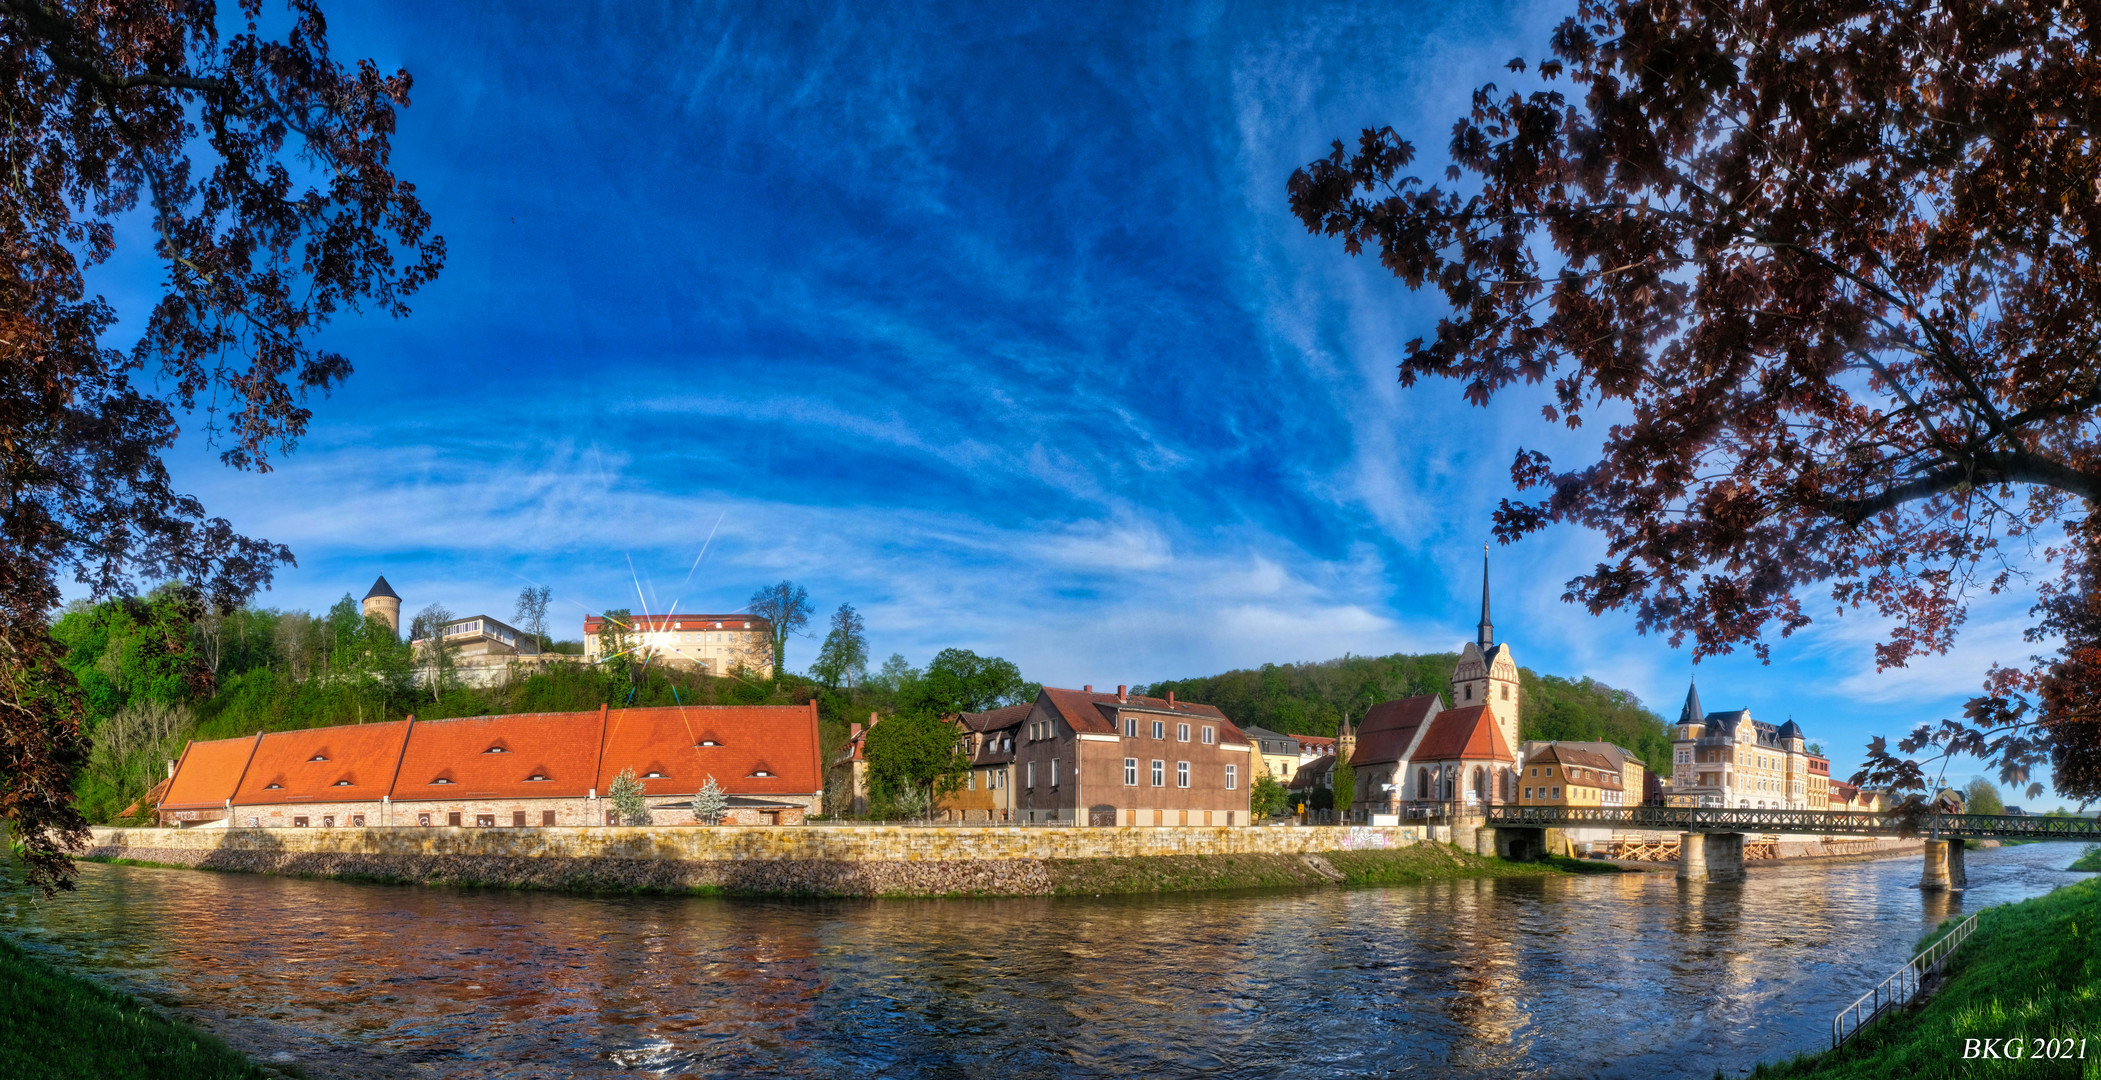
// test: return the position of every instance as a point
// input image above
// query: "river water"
(1629, 975)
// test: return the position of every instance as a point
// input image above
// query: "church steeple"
(1486, 634)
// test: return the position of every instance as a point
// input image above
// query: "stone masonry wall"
(761, 843)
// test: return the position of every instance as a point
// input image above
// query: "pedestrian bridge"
(1711, 840)
(1815, 822)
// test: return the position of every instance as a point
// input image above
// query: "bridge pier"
(1944, 870)
(1710, 856)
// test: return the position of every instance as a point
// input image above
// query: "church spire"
(1487, 633)
(1692, 713)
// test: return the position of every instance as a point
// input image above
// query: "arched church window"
(1422, 783)
(1480, 784)
(1469, 692)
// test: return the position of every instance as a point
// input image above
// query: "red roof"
(1468, 734)
(777, 740)
(562, 747)
(1087, 711)
(207, 773)
(739, 621)
(352, 763)
(529, 755)
(1390, 726)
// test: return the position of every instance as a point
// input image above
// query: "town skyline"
(1011, 411)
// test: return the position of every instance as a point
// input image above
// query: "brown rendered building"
(1114, 759)
(532, 769)
(991, 739)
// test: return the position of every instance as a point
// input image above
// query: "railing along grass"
(2031, 972)
(58, 1026)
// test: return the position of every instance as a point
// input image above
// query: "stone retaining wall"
(833, 843)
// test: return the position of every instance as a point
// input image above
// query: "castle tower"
(382, 603)
(1487, 672)
(1345, 743)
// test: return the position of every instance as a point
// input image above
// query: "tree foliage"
(786, 609)
(842, 662)
(629, 800)
(531, 612)
(1981, 796)
(960, 681)
(914, 758)
(1826, 272)
(1267, 798)
(261, 168)
(710, 804)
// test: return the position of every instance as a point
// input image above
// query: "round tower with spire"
(382, 603)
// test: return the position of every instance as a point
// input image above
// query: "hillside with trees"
(1313, 699)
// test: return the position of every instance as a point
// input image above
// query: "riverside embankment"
(820, 860)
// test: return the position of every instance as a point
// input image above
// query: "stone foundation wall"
(818, 843)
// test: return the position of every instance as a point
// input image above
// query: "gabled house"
(1084, 758)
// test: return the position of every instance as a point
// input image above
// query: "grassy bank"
(2091, 861)
(1202, 873)
(56, 1026)
(2032, 971)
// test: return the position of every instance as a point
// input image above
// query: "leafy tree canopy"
(913, 759)
(1826, 272)
(959, 681)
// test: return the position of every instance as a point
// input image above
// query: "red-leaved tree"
(260, 168)
(1829, 269)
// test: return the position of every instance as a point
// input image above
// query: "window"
(1032, 774)
(1054, 774)
(328, 821)
(1130, 772)
(1550, 772)
(1232, 783)
(1181, 774)
(1210, 735)
(612, 817)
(1528, 793)
(318, 757)
(654, 775)
(1469, 692)
(1130, 727)
(1159, 729)
(341, 783)
(517, 819)
(441, 780)
(1159, 773)
(970, 781)
(299, 823)
(537, 777)
(485, 821)
(422, 819)
(357, 821)
(1535, 770)
(1181, 732)
(272, 787)
(1506, 692)
(453, 819)
(496, 750)
(1557, 793)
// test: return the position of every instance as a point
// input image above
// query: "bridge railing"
(1830, 822)
(1900, 988)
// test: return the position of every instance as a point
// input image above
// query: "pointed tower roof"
(381, 588)
(1486, 634)
(1692, 713)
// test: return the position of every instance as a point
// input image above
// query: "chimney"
(854, 733)
(1087, 689)
(1170, 699)
(171, 768)
(871, 718)
(1123, 693)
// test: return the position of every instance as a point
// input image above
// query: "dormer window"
(709, 742)
(496, 750)
(272, 787)
(318, 757)
(342, 783)
(536, 776)
(652, 775)
(441, 780)
(762, 772)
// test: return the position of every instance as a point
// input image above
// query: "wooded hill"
(1313, 698)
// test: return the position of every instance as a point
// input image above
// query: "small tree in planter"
(629, 802)
(709, 803)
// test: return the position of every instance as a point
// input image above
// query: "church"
(1421, 757)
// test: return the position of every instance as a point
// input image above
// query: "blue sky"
(992, 323)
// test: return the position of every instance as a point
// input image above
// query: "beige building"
(1627, 768)
(1729, 760)
(716, 644)
(1559, 774)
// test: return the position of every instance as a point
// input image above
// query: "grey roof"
(1790, 730)
(381, 588)
(1692, 713)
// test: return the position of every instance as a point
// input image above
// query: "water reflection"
(1632, 975)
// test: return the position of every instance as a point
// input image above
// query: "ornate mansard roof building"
(1727, 759)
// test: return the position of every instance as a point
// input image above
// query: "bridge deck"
(1825, 822)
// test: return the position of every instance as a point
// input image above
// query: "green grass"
(2090, 861)
(2032, 970)
(1207, 873)
(59, 1026)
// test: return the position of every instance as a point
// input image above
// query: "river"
(1630, 975)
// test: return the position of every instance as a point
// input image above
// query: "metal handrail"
(1902, 987)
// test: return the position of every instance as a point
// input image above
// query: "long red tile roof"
(777, 739)
(207, 773)
(1470, 734)
(499, 756)
(351, 763)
